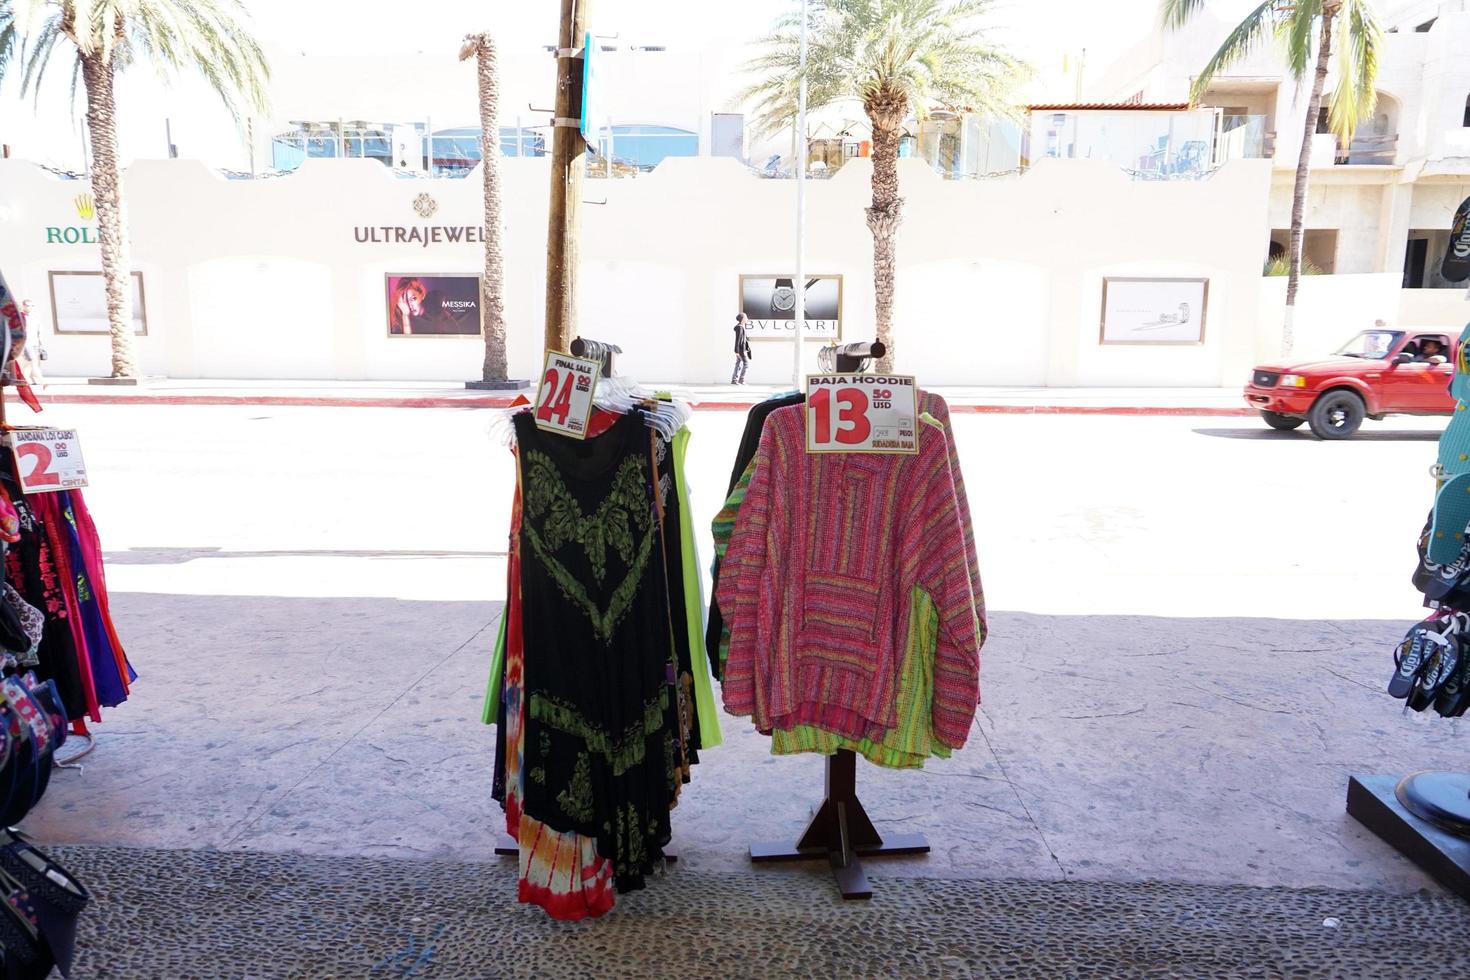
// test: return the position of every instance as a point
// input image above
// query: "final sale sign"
(862, 413)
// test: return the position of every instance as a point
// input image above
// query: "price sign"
(564, 400)
(862, 413)
(48, 460)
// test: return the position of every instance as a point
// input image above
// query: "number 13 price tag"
(48, 460)
(564, 400)
(862, 413)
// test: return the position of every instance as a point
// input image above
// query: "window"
(1424, 27)
(645, 147)
(1423, 255)
(1466, 121)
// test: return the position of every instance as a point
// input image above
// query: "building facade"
(1380, 205)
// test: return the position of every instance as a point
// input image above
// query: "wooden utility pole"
(568, 167)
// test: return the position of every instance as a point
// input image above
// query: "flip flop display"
(1451, 516)
(1432, 662)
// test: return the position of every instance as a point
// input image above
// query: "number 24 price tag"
(48, 460)
(564, 400)
(861, 413)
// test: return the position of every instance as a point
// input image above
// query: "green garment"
(704, 697)
(497, 664)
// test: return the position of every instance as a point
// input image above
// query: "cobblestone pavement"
(195, 914)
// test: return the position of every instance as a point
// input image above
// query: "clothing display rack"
(840, 829)
(1425, 816)
(841, 832)
(78, 726)
(849, 358)
(596, 350)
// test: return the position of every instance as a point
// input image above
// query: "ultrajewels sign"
(424, 235)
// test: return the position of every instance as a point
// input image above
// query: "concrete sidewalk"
(443, 394)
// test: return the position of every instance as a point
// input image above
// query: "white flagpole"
(797, 377)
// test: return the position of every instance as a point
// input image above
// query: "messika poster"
(430, 305)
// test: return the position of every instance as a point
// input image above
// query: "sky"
(1043, 33)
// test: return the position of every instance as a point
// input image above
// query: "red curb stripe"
(1101, 410)
(493, 401)
(307, 401)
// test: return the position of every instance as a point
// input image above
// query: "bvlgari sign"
(424, 235)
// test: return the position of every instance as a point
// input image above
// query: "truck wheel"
(1283, 422)
(1336, 415)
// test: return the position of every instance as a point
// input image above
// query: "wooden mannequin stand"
(841, 832)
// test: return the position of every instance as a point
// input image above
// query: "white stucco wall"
(999, 280)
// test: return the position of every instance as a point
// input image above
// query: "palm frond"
(1175, 14)
(915, 54)
(1359, 39)
(9, 38)
(1238, 44)
(35, 60)
(204, 36)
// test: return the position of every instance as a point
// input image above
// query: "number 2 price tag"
(564, 400)
(48, 460)
(862, 413)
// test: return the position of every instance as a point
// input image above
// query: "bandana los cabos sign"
(424, 235)
(86, 207)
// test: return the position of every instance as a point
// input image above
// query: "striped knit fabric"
(903, 747)
(911, 742)
(722, 528)
(819, 578)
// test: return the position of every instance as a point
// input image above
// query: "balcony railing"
(1244, 138)
(1379, 150)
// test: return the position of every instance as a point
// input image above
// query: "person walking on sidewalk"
(742, 350)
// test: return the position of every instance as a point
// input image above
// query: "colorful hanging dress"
(603, 726)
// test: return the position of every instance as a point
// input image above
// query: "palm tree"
(106, 36)
(492, 287)
(897, 57)
(1310, 31)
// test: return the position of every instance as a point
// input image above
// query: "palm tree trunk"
(111, 232)
(492, 285)
(1303, 168)
(884, 217)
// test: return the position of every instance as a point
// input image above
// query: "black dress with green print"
(601, 748)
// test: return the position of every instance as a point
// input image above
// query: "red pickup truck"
(1379, 372)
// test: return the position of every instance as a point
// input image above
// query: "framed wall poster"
(1153, 311)
(429, 305)
(770, 304)
(79, 303)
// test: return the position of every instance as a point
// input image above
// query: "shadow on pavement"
(1265, 434)
(178, 556)
(1118, 748)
